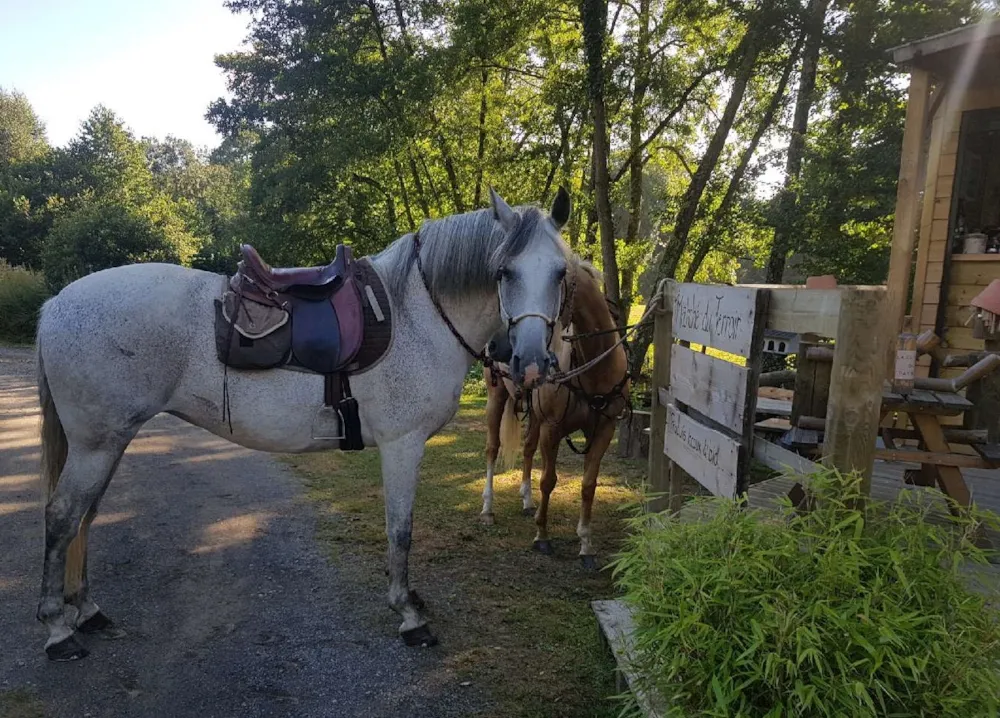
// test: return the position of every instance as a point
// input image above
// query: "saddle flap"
(252, 319)
(347, 304)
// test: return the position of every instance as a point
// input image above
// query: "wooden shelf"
(994, 257)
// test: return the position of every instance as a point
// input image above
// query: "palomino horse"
(121, 345)
(591, 401)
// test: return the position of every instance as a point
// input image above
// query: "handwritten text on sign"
(710, 457)
(715, 316)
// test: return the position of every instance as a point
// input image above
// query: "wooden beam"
(781, 459)
(931, 457)
(660, 480)
(852, 417)
(949, 477)
(904, 231)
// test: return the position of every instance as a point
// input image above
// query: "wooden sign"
(710, 457)
(715, 387)
(716, 316)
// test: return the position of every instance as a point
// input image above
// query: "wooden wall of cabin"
(969, 274)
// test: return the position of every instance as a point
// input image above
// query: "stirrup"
(328, 425)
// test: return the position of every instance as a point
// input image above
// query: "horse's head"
(529, 282)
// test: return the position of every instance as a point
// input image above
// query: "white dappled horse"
(121, 345)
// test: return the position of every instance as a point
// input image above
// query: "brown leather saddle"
(333, 320)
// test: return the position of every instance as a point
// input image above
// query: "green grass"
(20, 703)
(517, 624)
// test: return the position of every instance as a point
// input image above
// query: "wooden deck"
(887, 483)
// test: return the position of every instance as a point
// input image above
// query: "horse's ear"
(502, 211)
(561, 208)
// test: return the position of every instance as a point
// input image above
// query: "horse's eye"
(561, 274)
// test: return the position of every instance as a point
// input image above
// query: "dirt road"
(204, 553)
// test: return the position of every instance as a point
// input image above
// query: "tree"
(102, 234)
(22, 134)
(594, 16)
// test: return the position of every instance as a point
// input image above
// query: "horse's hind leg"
(530, 446)
(89, 619)
(81, 483)
(495, 403)
(591, 468)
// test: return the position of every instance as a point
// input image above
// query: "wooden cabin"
(947, 224)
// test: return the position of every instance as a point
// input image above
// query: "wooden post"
(852, 417)
(904, 230)
(659, 463)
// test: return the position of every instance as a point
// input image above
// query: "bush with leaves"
(839, 612)
(22, 293)
(101, 235)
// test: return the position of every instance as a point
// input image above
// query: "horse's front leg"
(400, 469)
(591, 468)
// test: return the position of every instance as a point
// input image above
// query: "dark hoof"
(589, 563)
(528, 512)
(420, 636)
(417, 601)
(543, 547)
(101, 626)
(68, 649)
(487, 519)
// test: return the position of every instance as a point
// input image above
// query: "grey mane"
(462, 253)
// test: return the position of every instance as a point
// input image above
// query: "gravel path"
(204, 552)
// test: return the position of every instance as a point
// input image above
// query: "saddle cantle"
(333, 320)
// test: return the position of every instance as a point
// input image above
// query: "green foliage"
(101, 235)
(22, 293)
(22, 134)
(840, 612)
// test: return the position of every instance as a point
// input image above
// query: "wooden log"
(852, 417)
(784, 378)
(814, 423)
(952, 436)
(820, 354)
(980, 370)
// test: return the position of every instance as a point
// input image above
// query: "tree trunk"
(747, 51)
(430, 182)
(421, 197)
(405, 195)
(707, 240)
(787, 200)
(637, 125)
(481, 147)
(594, 15)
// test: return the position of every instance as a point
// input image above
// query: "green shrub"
(22, 293)
(840, 612)
(99, 235)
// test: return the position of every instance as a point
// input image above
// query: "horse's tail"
(54, 445)
(510, 434)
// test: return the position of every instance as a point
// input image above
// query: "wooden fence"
(706, 364)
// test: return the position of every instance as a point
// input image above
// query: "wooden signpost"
(706, 402)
